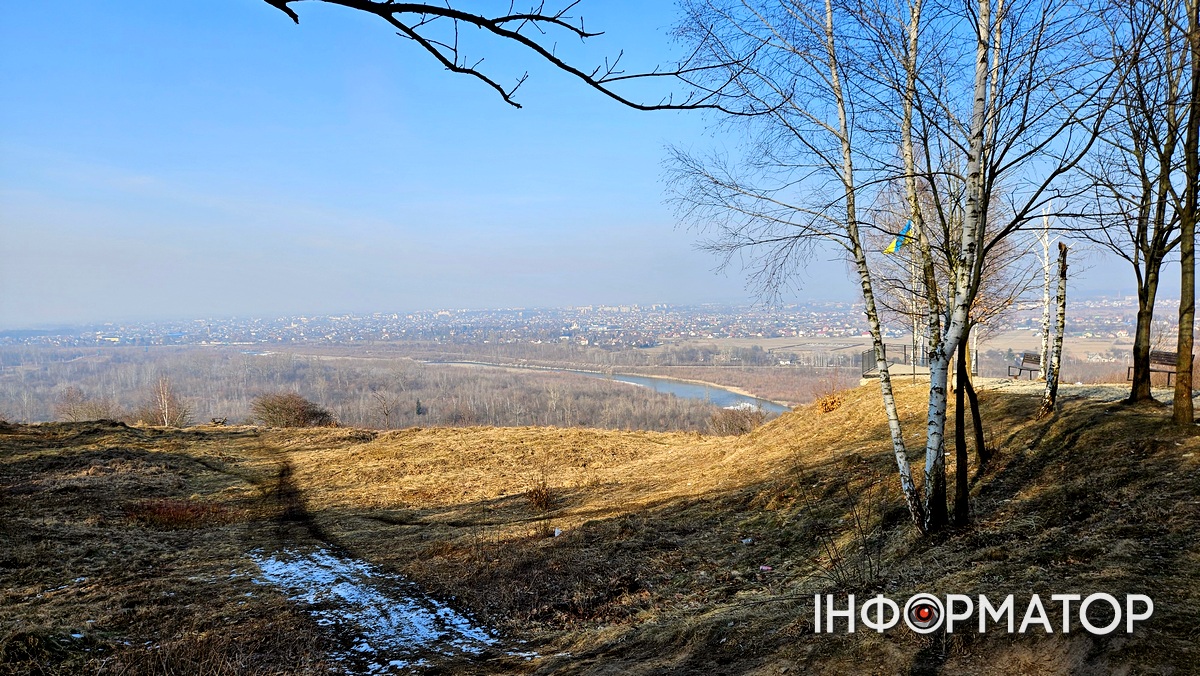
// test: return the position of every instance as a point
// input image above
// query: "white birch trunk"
(1045, 239)
(899, 450)
(965, 275)
(1060, 325)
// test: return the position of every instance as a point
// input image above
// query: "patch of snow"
(386, 621)
(744, 406)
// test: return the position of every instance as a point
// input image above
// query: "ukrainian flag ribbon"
(900, 240)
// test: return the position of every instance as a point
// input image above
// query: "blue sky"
(186, 159)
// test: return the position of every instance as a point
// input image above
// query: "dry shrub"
(73, 405)
(830, 391)
(736, 421)
(178, 514)
(540, 495)
(288, 409)
(851, 545)
(830, 402)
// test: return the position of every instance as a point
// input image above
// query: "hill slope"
(129, 550)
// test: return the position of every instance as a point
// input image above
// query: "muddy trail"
(379, 622)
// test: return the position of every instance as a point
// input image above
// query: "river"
(680, 388)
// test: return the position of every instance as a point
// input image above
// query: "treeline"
(360, 392)
(573, 354)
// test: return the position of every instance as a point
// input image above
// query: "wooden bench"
(1030, 361)
(1161, 361)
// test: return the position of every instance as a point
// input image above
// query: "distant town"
(615, 326)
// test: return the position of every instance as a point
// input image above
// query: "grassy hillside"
(127, 550)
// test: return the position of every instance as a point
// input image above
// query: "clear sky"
(188, 159)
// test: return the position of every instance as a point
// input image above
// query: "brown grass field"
(124, 550)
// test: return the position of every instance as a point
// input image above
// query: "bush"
(288, 409)
(73, 405)
(735, 421)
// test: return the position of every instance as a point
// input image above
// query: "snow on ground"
(386, 622)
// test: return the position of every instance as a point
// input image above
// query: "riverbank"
(739, 392)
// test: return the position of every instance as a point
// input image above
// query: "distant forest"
(390, 389)
(360, 392)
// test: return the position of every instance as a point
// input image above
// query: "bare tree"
(788, 60)
(1182, 410)
(164, 407)
(443, 29)
(385, 405)
(985, 103)
(1136, 175)
(70, 403)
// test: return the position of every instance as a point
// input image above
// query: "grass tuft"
(540, 495)
(170, 513)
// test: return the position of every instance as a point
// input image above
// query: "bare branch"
(532, 30)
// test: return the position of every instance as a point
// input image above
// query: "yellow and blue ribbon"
(900, 240)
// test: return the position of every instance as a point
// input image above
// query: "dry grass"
(540, 495)
(175, 513)
(634, 552)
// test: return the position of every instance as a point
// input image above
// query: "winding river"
(680, 388)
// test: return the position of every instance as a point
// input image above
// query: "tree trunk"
(1183, 414)
(982, 453)
(907, 485)
(1147, 291)
(961, 507)
(1045, 354)
(966, 279)
(1060, 326)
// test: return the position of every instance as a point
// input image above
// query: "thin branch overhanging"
(409, 18)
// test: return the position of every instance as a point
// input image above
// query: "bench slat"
(1162, 357)
(1030, 361)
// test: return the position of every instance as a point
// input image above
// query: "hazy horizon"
(167, 160)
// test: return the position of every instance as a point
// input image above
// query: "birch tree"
(791, 71)
(1002, 99)
(1050, 396)
(164, 407)
(1044, 240)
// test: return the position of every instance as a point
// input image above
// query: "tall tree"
(788, 60)
(1183, 413)
(164, 407)
(1137, 173)
(1001, 99)
(1050, 397)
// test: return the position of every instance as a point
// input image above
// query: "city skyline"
(161, 161)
